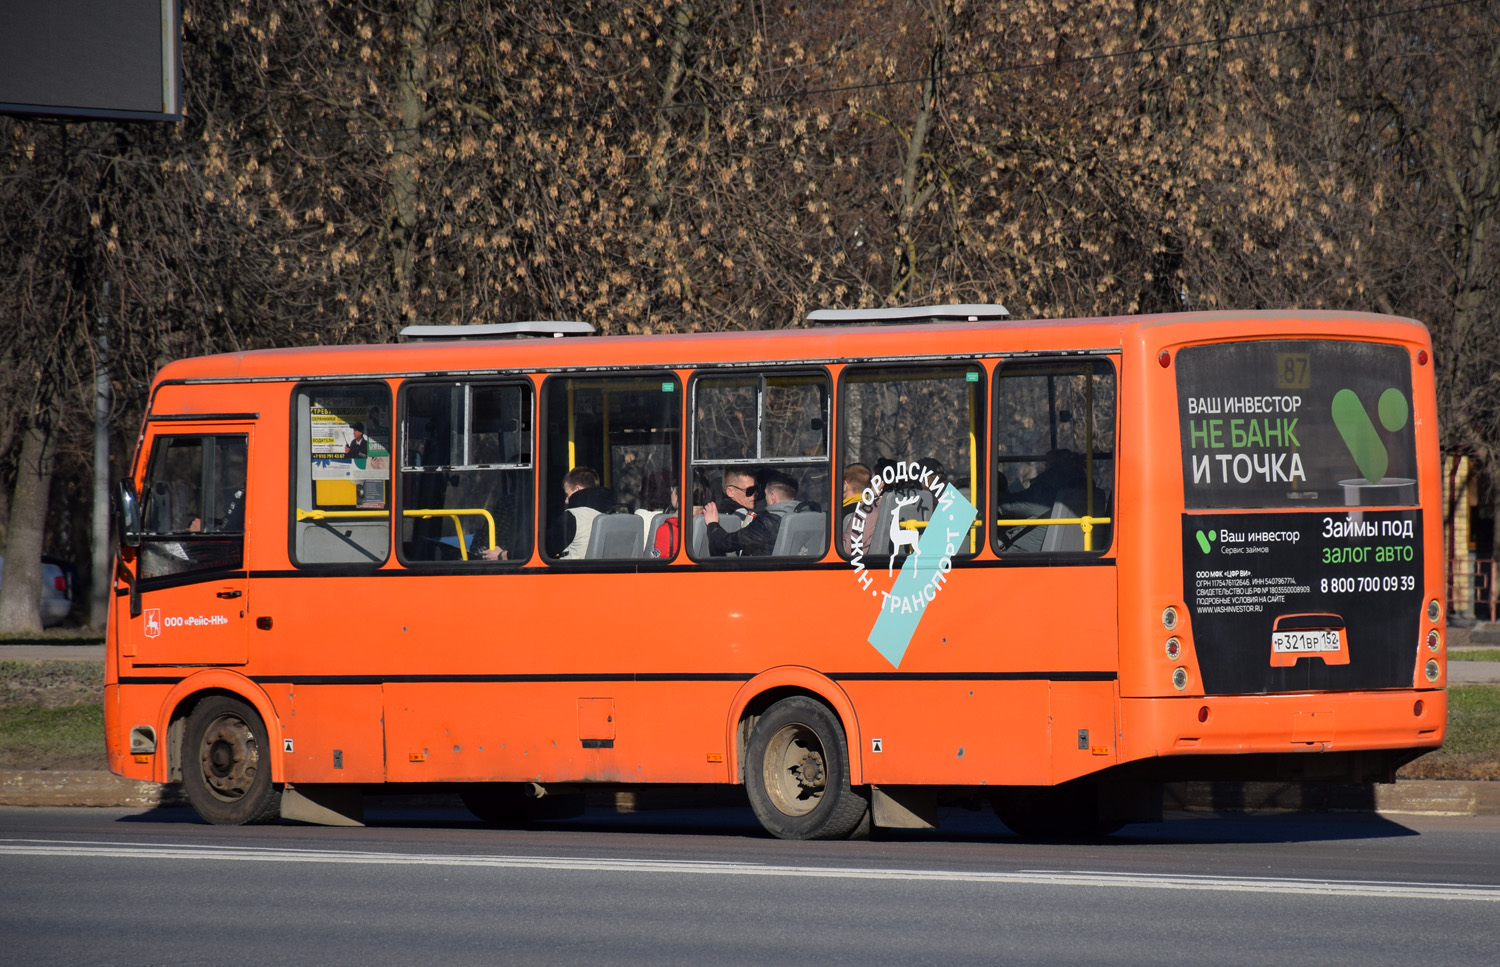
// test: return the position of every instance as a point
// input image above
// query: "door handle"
(230, 594)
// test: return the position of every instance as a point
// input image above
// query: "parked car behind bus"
(56, 590)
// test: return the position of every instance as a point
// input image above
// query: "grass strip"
(1474, 654)
(32, 737)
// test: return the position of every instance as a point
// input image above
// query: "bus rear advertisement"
(891, 560)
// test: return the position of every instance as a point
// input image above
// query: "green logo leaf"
(1359, 433)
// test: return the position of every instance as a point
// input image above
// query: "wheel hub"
(809, 772)
(229, 757)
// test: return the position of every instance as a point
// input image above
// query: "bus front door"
(190, 562)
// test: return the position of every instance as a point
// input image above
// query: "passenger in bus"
(856, 479)
(668, 536)
(568, 534)
(757, 537)
(1064, 470)
(740, 491)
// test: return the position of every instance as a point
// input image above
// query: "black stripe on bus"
(205, 417)
(531, 679)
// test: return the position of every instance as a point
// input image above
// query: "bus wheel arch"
(189, 692)
(773, 685)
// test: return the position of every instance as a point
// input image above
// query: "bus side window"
(761, 448)
(1054, 456)
(342, 457)
(897, 417)
(613, 453)
(466, 471)
(193, 505)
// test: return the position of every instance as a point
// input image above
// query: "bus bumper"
(1298, 722)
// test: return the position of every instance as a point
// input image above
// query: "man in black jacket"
(757, 536)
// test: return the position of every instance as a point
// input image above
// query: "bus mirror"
(127, 514)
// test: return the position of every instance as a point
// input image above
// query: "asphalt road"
(431, 886)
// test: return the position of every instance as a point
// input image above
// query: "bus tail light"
(1433, 640)
(1174, 647)
(1431, 670)
(1180, 677)
(1434, 610)
(1418, 708)
(1203, 713)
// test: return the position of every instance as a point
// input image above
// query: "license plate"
(1300, 642)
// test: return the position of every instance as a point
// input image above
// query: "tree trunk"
(20, 611)
(411, 85)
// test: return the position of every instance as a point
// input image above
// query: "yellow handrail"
(1087, 523)
(455, 513)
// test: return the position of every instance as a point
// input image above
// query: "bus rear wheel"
(226, 771)
(797, 773)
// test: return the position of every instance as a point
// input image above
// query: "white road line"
(1060, 878)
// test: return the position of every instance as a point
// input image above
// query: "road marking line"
(1061, 878)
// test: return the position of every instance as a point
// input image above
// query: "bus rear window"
(1296, 422)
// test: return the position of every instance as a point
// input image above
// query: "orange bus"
(890, 560)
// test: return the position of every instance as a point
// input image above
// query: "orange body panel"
(644, 675)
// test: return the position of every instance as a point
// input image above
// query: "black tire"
(507, 806)
(797, 773)
(226, 768)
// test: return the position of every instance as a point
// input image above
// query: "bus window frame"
(209, 489)
(759, 369)
(353, 568)
(981, 423)
(1113, 361)
(398, 466)
(543, 457)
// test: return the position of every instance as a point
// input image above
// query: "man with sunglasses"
(756, 537)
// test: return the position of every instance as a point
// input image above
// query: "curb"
(1408, 797)
(83, 788)
(1416, 797)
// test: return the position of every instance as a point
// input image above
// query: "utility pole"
(102, 582)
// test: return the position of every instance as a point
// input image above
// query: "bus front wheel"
(797, 773)
(226, 771)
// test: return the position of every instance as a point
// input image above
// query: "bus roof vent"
(910, 314)
(501, 330)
